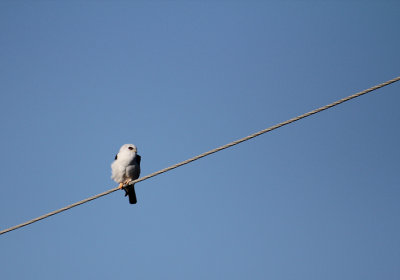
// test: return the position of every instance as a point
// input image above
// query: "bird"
(126, 168)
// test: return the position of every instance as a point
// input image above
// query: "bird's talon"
(127, 181)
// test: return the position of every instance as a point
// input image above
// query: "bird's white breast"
(118, 167)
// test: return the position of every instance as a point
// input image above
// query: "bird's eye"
(130, 148)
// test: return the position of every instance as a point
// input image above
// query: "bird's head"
(128, 148)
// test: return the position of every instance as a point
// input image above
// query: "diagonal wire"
(207, 153)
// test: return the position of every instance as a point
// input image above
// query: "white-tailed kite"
(126, 168)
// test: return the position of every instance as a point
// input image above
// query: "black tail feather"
(130, 191)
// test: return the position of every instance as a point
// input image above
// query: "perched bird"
(126, 168)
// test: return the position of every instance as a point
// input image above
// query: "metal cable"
(206, 153)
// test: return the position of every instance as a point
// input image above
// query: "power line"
(206, 153)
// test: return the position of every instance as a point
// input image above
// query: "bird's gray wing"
(133, 172)
(133, 169)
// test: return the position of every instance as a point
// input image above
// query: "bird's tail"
(130, 192)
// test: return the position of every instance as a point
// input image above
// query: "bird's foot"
(124, 183)
(125, 186)
(127, 181)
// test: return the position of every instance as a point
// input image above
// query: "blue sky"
(318, 199)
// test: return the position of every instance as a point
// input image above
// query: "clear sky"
(318, 199)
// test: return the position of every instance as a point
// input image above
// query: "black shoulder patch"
(116, 156)
(139, 158)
